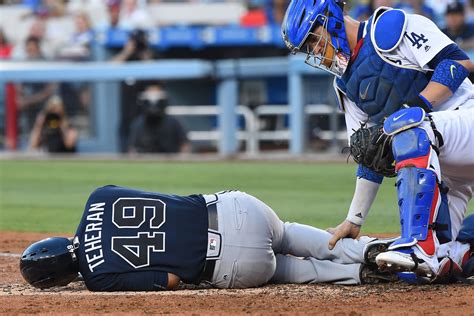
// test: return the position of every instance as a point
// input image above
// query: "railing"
(227, 73)
(251, 134)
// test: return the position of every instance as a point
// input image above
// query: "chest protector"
(378, 86)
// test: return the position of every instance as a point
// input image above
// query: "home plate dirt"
(16, 297)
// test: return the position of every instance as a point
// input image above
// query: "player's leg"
(457, 159)
(457, 258)
(465, 257)
(247, 258)
(306, 241)
(424, 213)
(290, 269)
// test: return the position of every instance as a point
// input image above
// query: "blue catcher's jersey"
(131, 239)
(377, 87)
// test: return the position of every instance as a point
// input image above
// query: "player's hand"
(344, 229)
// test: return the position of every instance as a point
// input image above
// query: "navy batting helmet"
(49, 262)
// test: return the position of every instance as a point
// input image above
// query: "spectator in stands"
(5, 46)
(470, 11)
(364, 10)
(79, 46)
(134, 15)
(153, 131)
(263, 12)
(32, 96)
(136, 49)
(113, 9)
(457, 28)
(51, 131)
(279, 9)
(96, 10)
(36, 30)
(417, 7)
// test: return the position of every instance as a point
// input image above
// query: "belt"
(209, 265)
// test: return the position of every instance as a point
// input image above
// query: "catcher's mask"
(50, 262)
(323, 19)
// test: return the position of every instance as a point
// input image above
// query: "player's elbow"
(173, 281)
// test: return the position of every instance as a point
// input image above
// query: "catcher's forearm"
(364, 196)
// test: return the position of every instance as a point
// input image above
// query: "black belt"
(209, 265)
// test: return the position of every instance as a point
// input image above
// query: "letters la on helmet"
(303, 17)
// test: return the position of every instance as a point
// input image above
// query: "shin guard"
(418, 201)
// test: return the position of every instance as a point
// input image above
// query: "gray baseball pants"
(257, 248)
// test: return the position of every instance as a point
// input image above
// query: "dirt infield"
(395, 299)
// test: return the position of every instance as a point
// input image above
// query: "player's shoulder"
(390, 25)
(104, 191)
(388, 28)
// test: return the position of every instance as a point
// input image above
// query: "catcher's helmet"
(304, 16)
(49, 262)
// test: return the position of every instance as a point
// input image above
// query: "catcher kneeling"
(432, 156)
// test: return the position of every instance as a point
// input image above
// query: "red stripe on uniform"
(356, 50)
(428, 245)
(419, 162)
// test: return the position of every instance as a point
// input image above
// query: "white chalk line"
(9, 254)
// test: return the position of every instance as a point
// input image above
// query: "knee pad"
(411, 145)
(411, 148)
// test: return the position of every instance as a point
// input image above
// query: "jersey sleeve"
(130, 281)
(354, 117)
(422, 40)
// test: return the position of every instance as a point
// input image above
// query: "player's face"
(318, 45)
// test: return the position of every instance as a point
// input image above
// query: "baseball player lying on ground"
(142, 241)
(391, 61)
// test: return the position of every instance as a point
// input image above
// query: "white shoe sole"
(395, 261)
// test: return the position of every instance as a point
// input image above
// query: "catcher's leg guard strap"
(418, 200)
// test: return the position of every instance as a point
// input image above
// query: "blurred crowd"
(51, 30)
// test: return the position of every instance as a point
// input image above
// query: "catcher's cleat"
(396, 261)
(370, 274)
(375, 247)
(467, 264)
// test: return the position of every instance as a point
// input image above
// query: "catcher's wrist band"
(421, 102)
(364, 196)
(450, 74)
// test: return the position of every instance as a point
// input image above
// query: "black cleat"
(370, 274)
(375, 247)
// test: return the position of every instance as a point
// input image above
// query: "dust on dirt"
(16, 297)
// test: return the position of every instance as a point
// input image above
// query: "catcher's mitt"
(372, 148)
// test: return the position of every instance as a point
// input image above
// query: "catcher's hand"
(371, 147)
(346, 229)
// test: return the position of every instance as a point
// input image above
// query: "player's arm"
(451, 66)
(367, 183)
(426, 46)
(134, 281)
